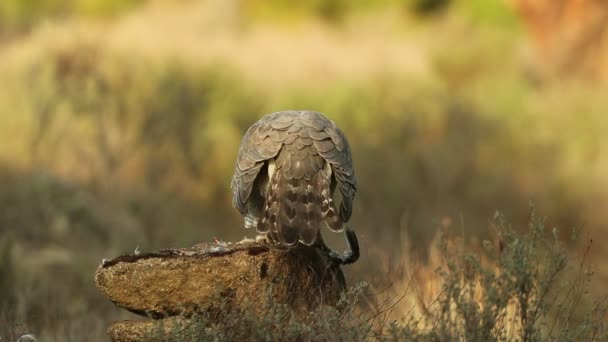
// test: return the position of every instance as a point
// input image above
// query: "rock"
(137, 331)
(184, 282)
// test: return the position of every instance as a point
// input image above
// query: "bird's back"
(303, 165)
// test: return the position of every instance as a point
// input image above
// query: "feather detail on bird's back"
(288, 166)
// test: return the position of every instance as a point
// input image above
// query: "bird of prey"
(289, 165)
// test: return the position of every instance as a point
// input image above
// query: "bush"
(522, 288)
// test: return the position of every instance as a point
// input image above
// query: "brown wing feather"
(260, 143)
(332, 145)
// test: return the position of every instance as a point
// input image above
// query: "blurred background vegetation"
(120, 122)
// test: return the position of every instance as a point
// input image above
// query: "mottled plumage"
(288, 166)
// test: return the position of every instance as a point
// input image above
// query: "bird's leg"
(344, 258)
(352, 254)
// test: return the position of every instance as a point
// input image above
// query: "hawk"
(288, 169)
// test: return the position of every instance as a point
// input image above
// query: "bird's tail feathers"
(295, 209)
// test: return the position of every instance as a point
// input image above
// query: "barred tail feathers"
(295, 209)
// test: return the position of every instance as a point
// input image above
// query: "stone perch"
(173, 285)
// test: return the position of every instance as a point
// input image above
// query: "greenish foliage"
(335, 11)
(329, 10)
(20, 15)
(324, 9)
(428, 6)
(489, 12)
